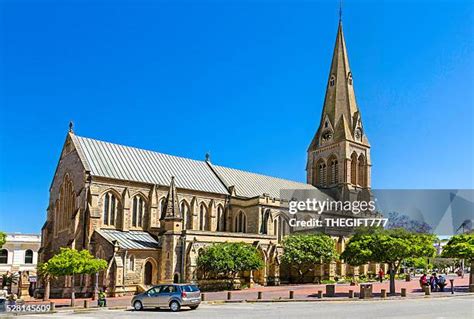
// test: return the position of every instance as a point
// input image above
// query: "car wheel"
(174, 306)
(193, 307)
(137, 305)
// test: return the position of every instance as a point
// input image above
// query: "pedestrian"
(381, 274)
(102, 302)
(423, 281)
(441, 282)
(433, 282)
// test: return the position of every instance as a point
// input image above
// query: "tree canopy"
(460, 246)
(71, 261)
(304, 252)
(228, 259)
(3, 238)
(390, 246)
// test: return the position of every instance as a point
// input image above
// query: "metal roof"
(130, 239)
(249, 184)
(133, 164)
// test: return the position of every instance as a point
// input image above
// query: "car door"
(165, 295)
(151, 297)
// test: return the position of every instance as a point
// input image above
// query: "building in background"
(18, 259)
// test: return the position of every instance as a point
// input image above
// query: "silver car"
(173, 296)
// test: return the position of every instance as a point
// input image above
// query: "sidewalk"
(303, 292)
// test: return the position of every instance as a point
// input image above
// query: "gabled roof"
(130, 239)
(132, 164)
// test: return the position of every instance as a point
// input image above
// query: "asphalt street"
(453, 307)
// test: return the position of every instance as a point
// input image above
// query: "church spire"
(339, 154)
(340, 118)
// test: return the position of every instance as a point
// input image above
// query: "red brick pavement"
(301, 292)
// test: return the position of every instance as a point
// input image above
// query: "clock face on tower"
(326, 136)
(358, 134)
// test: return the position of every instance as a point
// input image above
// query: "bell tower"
(339, 154)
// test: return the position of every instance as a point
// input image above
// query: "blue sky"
(244, 80)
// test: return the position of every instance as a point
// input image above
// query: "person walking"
(381, 274)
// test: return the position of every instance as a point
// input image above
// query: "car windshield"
(190, 288)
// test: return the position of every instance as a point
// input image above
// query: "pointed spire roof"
(172, 204)
(340, 104)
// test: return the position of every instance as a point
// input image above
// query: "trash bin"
(365, 291)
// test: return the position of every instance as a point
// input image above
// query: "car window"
(190, 288)
(168, 289)
(154, 291)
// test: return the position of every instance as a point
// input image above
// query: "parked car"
(172, 296)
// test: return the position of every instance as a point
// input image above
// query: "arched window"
(220, 218)
(138, 211)
(332, 80)
(187, 215)
(110, 209)
(202, 217)
(65, 204)
(3, 256)
(162, 208)
(349, 78)
(354, 169)
(131, 263)
(321, 173)
(241, 222)
(333, 170)
(265, 221)
(362, 169)
(28, 256)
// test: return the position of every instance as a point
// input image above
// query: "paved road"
(454, 307)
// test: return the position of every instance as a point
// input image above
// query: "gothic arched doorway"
(148, 273)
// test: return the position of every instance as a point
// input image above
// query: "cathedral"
(149, 214)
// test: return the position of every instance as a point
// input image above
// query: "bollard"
(259, 296)
(203, 297)
(351, 293)
(86, 303)
(292, 294)
(52, 306)
(427, 290)
(330, 290)
(452, 285)
(407, 277)
(403, 292)
(320, 294)
(229, 295)
(383, 293)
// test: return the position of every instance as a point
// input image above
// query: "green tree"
(71, 262)
(304, 252)
(3, 238)
(228, 259)
(462, 247)
(390, 246)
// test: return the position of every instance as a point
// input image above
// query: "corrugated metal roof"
(130, 240)
(133, 164)
(249, 184)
